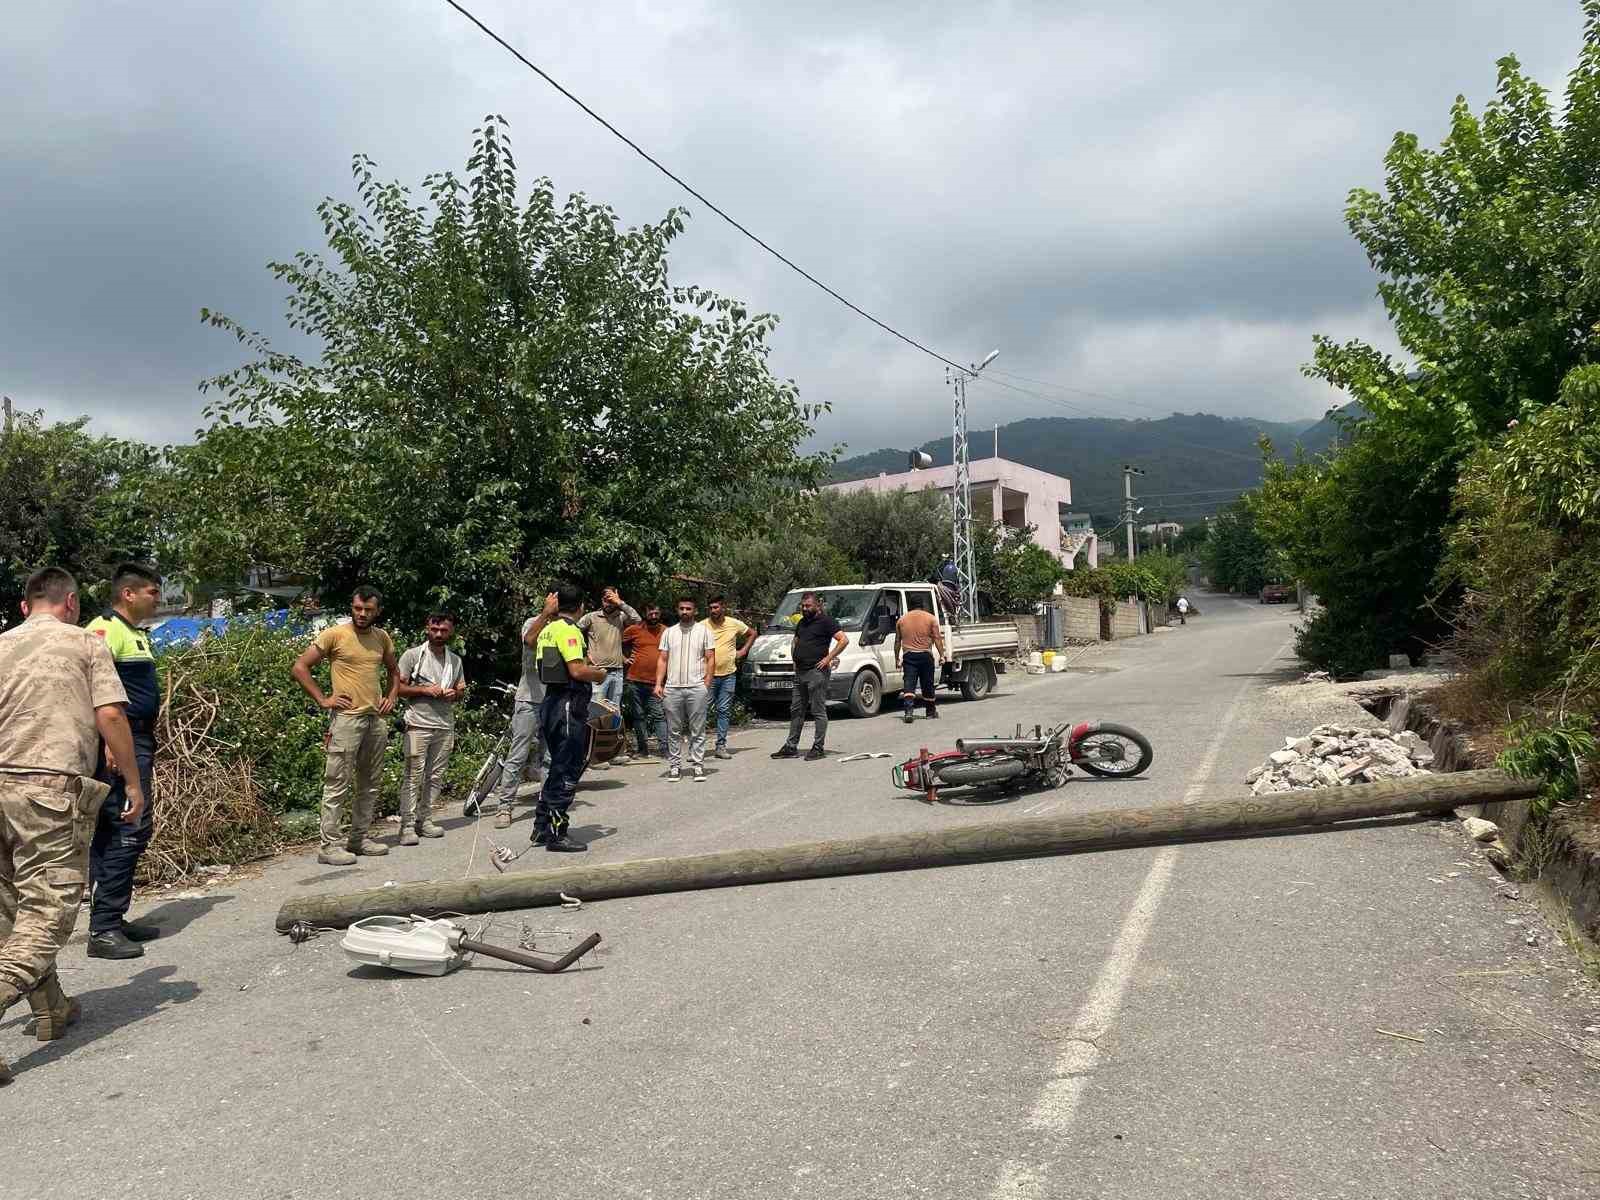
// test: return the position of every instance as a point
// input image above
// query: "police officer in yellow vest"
(569, 679)
(114, 852)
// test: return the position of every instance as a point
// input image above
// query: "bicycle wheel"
(483, 783)
(1113, 752)
(992, 769)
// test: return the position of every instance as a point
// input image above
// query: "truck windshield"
(848, 606)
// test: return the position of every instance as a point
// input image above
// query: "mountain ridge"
(1195, 463)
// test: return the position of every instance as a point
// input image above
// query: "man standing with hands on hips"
(114, 852)
(59, 699)
(818, 642)
(359, 733)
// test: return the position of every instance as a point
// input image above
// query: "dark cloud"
(1142, 200)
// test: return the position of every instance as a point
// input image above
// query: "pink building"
(1002, 491)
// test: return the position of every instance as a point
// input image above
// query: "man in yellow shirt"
(359, 733)
(733, 639)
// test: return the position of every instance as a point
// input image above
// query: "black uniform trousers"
(115, 849)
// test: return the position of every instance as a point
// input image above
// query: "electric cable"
(698, 195)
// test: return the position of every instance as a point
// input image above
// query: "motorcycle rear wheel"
(991, 769)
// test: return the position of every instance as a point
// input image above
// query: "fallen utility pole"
(994, 841)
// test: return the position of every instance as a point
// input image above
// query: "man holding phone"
(359, 732)
(59, 698)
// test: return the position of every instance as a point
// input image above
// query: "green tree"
(889, 535)
(1236, 557)
(1488, 252)
(1015, 571)
(72, 500)
(506, 391)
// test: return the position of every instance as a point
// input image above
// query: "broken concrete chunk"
(1256, 774)
(1282, 758)
(1352, 769)
(1480, 830)
(1299, 745)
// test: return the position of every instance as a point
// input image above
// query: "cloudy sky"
(1141, 200)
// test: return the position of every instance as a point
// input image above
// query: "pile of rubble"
(1337, 755)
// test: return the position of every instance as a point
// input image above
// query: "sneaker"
(599, 766)
(408, 836)
(336, 858)
(565, 845)
(934, 715)
(113, 945)
(908, 717)
(429, 829)
(673, 775)
(816, 752)
(135, 932)
(786, 752)
(722, 753)
(371, 847)
(645, 759)
(699, 775)
(502, 819)
(622, 760)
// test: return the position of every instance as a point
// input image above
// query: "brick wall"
(1030, 630)
(1127, 619)
(1080, 618)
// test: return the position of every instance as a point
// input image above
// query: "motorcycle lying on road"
(1043, 759)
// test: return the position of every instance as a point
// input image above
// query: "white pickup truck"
(866, 673)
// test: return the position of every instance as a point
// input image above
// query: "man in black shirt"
(818, 642)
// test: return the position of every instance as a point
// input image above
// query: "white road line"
(1057, 1104)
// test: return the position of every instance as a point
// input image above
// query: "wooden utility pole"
(7, 400)
(994, 841)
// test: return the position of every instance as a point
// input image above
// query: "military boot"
(53, 1009)
(366, 845)
(8, 997)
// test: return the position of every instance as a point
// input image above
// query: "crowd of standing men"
(80, 708)
(669, 679)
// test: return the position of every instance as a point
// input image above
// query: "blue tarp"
(183, 631)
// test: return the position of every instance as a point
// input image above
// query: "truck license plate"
(779, 684)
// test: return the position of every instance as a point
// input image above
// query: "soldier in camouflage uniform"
(59, 697)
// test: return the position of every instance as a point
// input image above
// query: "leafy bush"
(1158, 578)
(1553, 749)
(1526, 550)
(1341, 642)
(264, 718)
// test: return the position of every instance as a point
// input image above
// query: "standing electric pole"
(8, 415)
(961, 494)
(1127, 506)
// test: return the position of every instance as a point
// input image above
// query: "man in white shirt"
(683, 684)
(432, 681)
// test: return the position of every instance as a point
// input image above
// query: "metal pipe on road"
(995, 841)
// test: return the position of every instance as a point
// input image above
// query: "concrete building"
(1003, 491)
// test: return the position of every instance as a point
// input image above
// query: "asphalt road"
(1198, 1021)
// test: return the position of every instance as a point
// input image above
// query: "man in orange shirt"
(642, 642)
(917, 634)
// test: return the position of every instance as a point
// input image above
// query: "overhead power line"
(697, 194)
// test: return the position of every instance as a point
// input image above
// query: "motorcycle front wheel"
(1113, 752)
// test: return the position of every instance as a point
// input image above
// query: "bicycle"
(487, 779)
